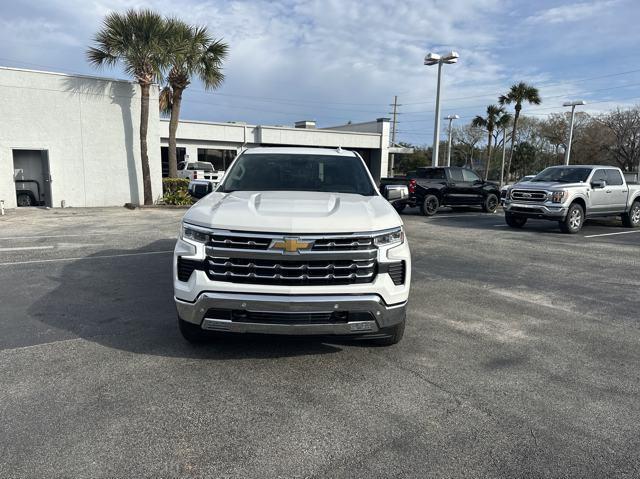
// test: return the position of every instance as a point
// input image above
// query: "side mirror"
(478, 182)
(598, 184)
(199, 190)
(396, 192)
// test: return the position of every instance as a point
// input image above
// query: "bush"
(175, 191)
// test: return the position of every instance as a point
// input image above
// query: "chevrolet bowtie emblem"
(291, 245)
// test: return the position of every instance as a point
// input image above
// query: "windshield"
(200, 165)
(564, 174)
(292, 172)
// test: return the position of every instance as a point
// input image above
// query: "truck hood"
(293, 212)
(546, 185)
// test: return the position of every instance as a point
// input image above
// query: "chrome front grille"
(293, 260)
(287, 272)
(529, 195)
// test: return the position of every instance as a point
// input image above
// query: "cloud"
(572, 12)
(339, 60)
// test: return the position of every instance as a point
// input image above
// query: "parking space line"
(55, 260)
(26, 248)
(55, 236)
(612, 234)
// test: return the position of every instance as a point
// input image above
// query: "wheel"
(191, 332)
(25, 199)
(430, 205)
(490, 204)
(515, 221)
(400, 208)
(632, 218)
(395, 335)
(574, 220)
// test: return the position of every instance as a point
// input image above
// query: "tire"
(515, 221)
(632, 218)
(400, 208)
(574, 220)
(490, 204)
(191, 332)
(429, 205)
(395, 335)
(25, 199)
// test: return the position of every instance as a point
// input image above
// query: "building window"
(164, 156)
(220, 159)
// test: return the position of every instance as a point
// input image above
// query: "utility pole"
(450, 118)
(394, 114)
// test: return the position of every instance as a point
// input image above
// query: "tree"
(517, 95)
(466, 139)
(137, 39)
(625, 127)
(494, 112)
(191, 52)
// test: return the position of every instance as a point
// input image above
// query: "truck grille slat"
(300, 273)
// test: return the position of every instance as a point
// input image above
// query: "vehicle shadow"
(472, 218)
(123, 299)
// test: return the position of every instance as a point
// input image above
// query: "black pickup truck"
(432, 187)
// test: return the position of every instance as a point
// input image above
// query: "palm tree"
(192, 52)
(494, 113)
(137, 39)
(518, 94)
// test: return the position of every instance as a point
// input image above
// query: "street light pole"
(572, 104)
(450, 118)
(435, 59)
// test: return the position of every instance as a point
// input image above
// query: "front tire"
(430, 205)
(395, 335)
(191, 332)
(574, 220)
(515, 221)
(25, 199)
(490, 204)
(632, 218)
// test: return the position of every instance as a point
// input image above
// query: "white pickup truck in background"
(571, 194)
(199, 170)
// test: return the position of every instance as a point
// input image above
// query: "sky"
(336, 61)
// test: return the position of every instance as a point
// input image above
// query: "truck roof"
(298, 151)
(586, 166)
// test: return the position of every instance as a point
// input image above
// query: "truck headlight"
(391, 237)
(193, 234)
(558, 196)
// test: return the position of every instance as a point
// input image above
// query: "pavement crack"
(535, 440)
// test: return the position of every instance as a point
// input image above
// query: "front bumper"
(212, 311)
(546, 210)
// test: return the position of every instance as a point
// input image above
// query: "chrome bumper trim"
(354, 327)
(385, 315)
(543, 209)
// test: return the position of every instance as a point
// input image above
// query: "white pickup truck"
(293, 241)
(199, 170)
(570, 194)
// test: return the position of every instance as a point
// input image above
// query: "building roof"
(299, 151)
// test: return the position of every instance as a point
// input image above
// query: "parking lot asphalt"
(520, 359)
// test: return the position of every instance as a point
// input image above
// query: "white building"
(74, 140)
